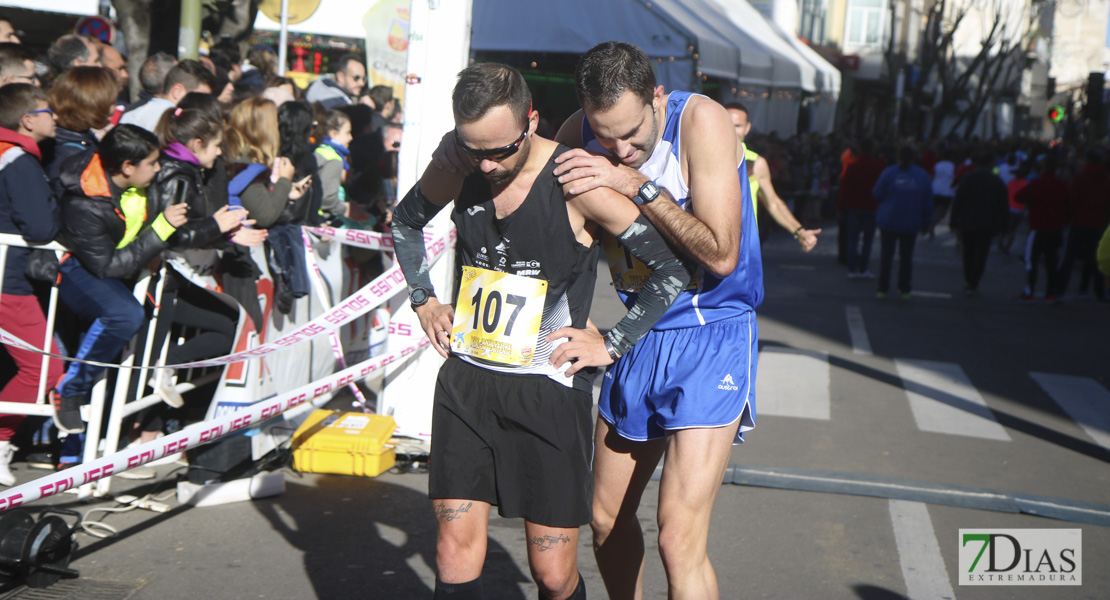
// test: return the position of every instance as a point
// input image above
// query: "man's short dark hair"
(12, 56)
(737, 106)
(483, 86)
(343, 61)
(609, 69)
(154, 70)
(65, 50)
(126, 143)
(381, 95)
(190, 74)
(225, 54)
(16, 100)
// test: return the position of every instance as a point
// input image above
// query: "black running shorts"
(520, 442)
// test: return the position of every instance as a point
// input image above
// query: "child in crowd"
(333, 160)
(112, 231)
(27, 209)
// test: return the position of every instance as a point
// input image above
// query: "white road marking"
(792, 384)
(1085, 401)
(923, 569)
(861, 344)
(943, 400)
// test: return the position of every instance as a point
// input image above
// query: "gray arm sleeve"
(412, 214)
(668, 278)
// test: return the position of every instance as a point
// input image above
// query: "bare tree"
(961, 86)
(231, 18)
(134, 23)
(1000, 62)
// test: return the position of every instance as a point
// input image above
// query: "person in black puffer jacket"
(83, 99)
(192, 139)
(112, 232)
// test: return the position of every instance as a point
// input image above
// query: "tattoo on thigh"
(444, 513)
(548, 542)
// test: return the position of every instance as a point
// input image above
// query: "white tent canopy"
(666, 30)
(73, 7)
(788, 69)
(510, 26)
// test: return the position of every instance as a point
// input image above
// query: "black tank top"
(536, 241)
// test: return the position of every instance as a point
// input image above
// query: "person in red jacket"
(858, 207)
(1088, 213)
(1046, 200)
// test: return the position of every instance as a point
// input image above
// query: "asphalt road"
(927, 407)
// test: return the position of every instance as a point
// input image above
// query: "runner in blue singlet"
(686, 391)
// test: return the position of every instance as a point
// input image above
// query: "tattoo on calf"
(443, 513)
(548, 542)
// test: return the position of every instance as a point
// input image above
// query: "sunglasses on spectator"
(494, 153)
(41, 110)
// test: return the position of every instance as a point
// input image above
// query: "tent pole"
(283, 38)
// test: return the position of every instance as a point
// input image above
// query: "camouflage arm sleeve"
(668, 278)
(412, 214)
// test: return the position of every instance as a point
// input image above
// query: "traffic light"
(1056, 113)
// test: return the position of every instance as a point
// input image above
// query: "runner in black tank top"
(510, 427)
(532, 241)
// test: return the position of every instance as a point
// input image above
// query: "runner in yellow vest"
(759, 176)
(750, 158)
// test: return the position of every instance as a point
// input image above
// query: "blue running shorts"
(694, 377)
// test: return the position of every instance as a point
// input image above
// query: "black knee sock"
(470, 590)
(579, 591)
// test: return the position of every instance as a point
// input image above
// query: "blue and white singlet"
(714, 298)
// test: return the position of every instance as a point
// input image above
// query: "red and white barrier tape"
(371, 240)
(195, 435)
(372, 295)
(318, 283)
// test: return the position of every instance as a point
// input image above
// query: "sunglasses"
(494, 153)
(41, 110)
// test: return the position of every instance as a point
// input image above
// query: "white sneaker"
(143, 472)
(164, 384)
(7, 450)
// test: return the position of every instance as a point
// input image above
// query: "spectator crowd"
(218, 155)
(211, 158)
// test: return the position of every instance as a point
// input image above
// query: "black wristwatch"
(647, 194)
(418, 297)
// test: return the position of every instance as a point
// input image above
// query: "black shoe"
(67, 414)
(41, 460)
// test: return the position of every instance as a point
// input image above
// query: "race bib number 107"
(497, 316)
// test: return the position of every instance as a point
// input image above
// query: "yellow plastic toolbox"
(350, 443)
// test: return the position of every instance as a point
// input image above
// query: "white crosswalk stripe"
(1083, 399)
(793, 384)
(923, 569)
(943, 400)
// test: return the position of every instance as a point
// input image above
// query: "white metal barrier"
(128, 399)
(40, 407)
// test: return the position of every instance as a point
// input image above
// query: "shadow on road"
(371, 539)
(1004, 418)
(873, 592)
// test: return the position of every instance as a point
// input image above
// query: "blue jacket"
(27, 205)
(905, 198)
